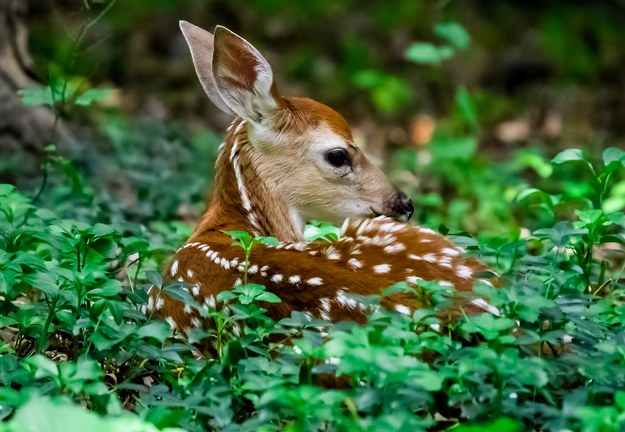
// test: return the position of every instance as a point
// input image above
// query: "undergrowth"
(76, 344)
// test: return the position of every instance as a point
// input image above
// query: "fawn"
(285, 161)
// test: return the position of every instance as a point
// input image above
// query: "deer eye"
(338, 158)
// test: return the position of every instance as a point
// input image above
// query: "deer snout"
(401, 207)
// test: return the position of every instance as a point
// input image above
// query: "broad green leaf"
(42, 281)
(613, 154)
(155, 278)
(35, 96)
(6, 189)
(158, 330)
(569, 155)
(427, 53)
(572, 155)
(453, 33)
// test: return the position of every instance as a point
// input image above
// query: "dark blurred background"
(461, 134)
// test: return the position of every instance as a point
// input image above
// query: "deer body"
(285, 161)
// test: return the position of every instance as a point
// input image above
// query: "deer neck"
(243, 200)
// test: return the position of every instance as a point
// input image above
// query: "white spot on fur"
(445, 261)
(354, 263)
(412, 279)
(150, 306)
(464, 272)
(324, 315)
(190, 274)
(431, 258)
(295, 279)
(346, 301)
(317, 281)
(253, 269)
(397, 247)
(171, 322)
(195, 289)
(174, 268)
(210, 301)
(483, 304)
(196, 322)
(381, 268)
(300, 246)
(326, 304)
(238, 282)
(344, 227)
(160, 302)
(450, 251)
(187, 309)
(414, 257)
(402, 309)
(277, 278)
(332, 253)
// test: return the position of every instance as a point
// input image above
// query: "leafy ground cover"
(80, 246)
(76, 344)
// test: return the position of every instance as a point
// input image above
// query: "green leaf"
(613, 154)
(588, 218)
(36, 96)
(42, 366)
(453, 33)
(268, 241)
(155, 278)
(466, 107)
(6, 189)
(268, 297)
(572, 155)
(427, 53)
(158, 330)
(42, 281)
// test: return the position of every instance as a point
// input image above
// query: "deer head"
(285, 160)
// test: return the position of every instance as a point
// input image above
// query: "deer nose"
(405, 205)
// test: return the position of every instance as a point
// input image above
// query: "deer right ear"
(201, 46)
(243, 77)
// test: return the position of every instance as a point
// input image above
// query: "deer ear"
(201, 46)
(243, 77)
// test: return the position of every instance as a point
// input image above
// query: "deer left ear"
(243, 77)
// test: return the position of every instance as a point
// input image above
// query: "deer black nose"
(403, 206)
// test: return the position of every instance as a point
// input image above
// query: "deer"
(285, 161)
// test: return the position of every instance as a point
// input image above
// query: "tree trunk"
(24, 130)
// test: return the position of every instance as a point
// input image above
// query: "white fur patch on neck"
(245, 198)
(297, 221)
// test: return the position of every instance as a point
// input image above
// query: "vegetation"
(79, 251)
